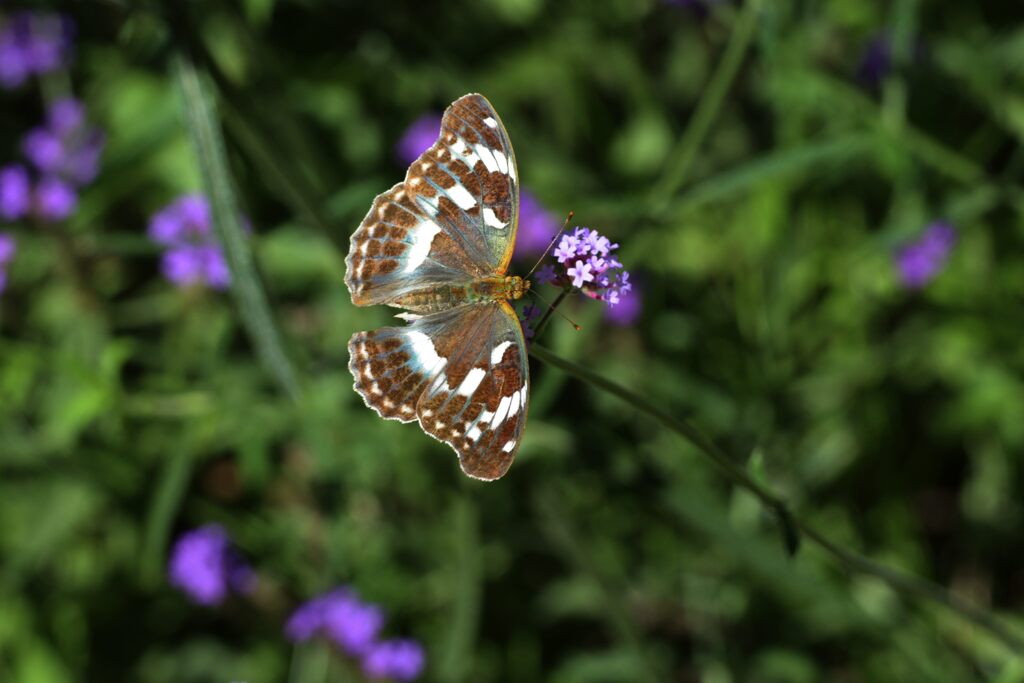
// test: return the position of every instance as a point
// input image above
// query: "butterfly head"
(516, 287)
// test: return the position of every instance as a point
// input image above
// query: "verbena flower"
(627, 310)
(526, 318)
(920, 261)
(354, 626)
(54, 199)
(15, 192)
(33, 43)
(586, 263)
(418, 138)
(192, 256)
(340, 616)
(7, 249)
(65, 146)
(397, 660)
(206, 567)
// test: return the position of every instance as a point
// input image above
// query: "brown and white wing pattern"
(452, 219)
(463, 373)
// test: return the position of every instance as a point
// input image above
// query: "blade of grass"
(685, 152)
(903, 583)
(170, 489)
(456, 661)
(208, 141)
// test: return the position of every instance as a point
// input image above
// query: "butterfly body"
(442, 297)
(438, 245)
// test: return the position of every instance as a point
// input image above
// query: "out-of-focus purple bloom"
(627, 308)
(54, 199)
(7, 248)
(587, 264)
(33, 43)
(353, 625)
(15, 192)
(206, 567)
(537, 227)
(398, 660)
(418, 138)
(919, 262)
(875, 62)
(66, 145)
(340, 616)
(185, 227)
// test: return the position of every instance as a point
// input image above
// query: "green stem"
(897, 580)
(548, 313)
(685, 152)
(208, 141)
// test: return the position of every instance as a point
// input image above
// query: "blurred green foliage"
(774, 317)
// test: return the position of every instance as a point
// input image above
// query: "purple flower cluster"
(7, 249)
(192, 256)
(353, 625)
(206, 567)
(920, 261)
(64, 153)
(587, 264)
(32, 44)
(536, 225)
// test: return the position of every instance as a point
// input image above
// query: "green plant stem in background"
(685, 152)
(208, 141)
(898, 581)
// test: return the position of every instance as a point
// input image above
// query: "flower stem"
(548, 313)
(793, 527)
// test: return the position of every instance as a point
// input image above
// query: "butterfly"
(437, 245)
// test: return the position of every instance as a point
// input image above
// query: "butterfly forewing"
(463, 373)
(452, 219)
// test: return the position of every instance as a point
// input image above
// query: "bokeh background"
(820, 203)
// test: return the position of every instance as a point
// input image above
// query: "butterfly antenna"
(551, 244)
(552, 309)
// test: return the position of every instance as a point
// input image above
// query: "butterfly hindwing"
(462, 372)
(477, 405)
(452, 219)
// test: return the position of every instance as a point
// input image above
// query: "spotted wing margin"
(452, 219)
(463, 373)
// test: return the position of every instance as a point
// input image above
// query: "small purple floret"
(205, 566)
(919, 262)
(55, 199)
(185, 227)
(15, 192)
(398, 660)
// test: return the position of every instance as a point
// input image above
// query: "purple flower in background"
(54, 199)
(418, 138)
(398, 660)
(627, 308)
(537, 227)
(875, 62)
(15, 192)
(206, 567)
(526, 318)
(919, 262)
(33, 44)
(587, 264)
(7, 249)
(340, 616)
(66, 145)
(185, 227)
